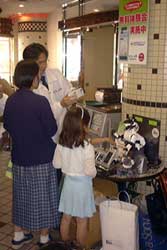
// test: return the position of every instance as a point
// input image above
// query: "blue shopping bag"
(148, 239)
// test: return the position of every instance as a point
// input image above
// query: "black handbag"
(157, 209)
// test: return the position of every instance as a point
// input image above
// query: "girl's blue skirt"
(77, 197)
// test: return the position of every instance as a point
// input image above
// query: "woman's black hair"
(34, 50)
(73, 132)
(25, 72)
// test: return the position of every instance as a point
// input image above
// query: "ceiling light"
(64, 5)
(21, 5)
(96, 10)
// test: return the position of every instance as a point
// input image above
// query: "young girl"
(75, 156)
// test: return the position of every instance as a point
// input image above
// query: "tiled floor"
(6, 227)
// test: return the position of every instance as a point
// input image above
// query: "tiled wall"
(29, 32)
(145, 86)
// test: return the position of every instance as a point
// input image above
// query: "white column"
(54, 40)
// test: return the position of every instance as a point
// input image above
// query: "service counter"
(104, 107)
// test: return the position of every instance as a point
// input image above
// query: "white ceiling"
(11, 7)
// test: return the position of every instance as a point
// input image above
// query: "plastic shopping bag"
(119, 225)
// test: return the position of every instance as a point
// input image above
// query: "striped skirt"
(35, 197)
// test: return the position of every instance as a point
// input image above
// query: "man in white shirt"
(53, 85)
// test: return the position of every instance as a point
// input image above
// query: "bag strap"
(113, 198)
(124, 193)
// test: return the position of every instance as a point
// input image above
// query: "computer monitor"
(96, 123)
(102, 123)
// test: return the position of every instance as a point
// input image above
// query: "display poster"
(133, 31)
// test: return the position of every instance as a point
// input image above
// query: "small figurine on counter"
(130, 146)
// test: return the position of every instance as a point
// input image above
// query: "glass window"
(6, 61)
(72, 57)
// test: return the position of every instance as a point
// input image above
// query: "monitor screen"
(96, 123)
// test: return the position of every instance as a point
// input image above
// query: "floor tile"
(6, 229)
(2, 224)
(3, 247)
(2, 235)
(7, 241)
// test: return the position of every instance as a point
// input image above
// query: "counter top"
(150, 174)
(105, 108)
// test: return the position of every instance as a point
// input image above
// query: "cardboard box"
(106, 187)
